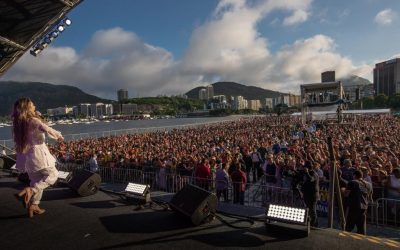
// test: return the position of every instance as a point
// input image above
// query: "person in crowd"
(359, 194)
(93, 165)
(270, 169)
(203, 174)
(309, 190)
(393, 184)
(347, 170)
(239, 182)
(222, 181)
(256, 160)
(29, 137)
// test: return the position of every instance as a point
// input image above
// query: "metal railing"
(7, 143)
(255, 195)
(388, 212)
(382, 212)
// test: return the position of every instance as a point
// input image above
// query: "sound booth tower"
(194, 203)
(84, 182)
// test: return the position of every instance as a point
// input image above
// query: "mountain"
(236, 89)
(44, 95)
(354, 80)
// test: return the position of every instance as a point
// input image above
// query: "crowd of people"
(281, 150)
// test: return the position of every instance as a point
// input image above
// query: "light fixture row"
(286, 213)
(50, 36)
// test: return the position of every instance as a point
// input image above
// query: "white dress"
(39, 163)
(38, 156)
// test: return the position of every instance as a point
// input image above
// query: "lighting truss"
(50, 36)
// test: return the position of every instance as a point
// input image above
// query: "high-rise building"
(210, 91)
(108, 109)
(203, 94)
(328, 76)
(387, 77)
(254, 104)
(97, 110)
(84, 109)
(129, 108)
(122, 94)
(269, 103)
(239, 103)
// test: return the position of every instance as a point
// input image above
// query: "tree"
(394, 101)
(381, 101)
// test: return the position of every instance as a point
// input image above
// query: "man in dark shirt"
(358, 193)
(310, 191)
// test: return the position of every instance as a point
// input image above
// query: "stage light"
(64, 176)
(137, 189)
(60, 28)
(284, 213)
(35, 51)
(50, 36)
(138, 192)
(288, 220)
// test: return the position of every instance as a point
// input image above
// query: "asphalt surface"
(107, 221)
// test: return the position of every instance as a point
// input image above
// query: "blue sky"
(153, 47)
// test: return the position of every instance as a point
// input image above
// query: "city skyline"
(162, 48)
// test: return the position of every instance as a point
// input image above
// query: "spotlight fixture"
(64, 176)
(291, 220)
(61, 28)
(50, 36)
(138, 193)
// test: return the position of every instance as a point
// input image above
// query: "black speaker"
(194, 203)
(6, 162)
(84, 182)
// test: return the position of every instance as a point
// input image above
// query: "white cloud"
(298, 16)
(385, 17)
(227, 47)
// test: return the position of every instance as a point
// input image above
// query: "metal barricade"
(388, 212)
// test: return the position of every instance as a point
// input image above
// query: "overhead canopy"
(24, 22)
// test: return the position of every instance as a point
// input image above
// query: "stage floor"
(105, 221)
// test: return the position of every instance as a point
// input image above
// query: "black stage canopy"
(24, 22)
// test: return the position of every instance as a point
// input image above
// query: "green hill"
(236, 89)
(44, 95)
(354, 80)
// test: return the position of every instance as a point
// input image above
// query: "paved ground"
(105, 221)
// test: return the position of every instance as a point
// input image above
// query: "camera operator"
(308, 186)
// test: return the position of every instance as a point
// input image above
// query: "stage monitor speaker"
(7, 161)
(84, 182)
(194, 203)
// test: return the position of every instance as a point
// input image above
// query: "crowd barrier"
(382, 212)
(7, 143)
(387, 212)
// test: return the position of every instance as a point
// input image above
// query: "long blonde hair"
(20, 116)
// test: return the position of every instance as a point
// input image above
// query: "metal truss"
(24, 22)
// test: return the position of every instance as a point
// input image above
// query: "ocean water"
(107, 128)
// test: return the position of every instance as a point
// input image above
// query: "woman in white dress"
(35, 159)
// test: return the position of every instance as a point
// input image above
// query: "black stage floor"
(104, 221)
